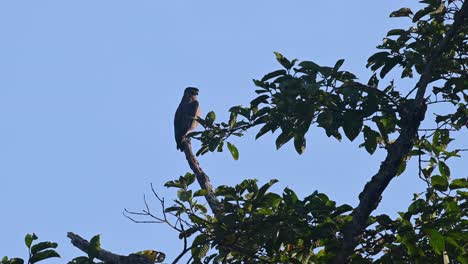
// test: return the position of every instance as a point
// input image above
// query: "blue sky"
(88, 90)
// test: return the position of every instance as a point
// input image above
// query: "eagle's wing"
(184, 121)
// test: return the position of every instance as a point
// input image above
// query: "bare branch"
(107, 256)
(202, 178)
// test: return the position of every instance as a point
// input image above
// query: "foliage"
(255, 225)
(284, 228)
(300, 94)
(45, 250)
(258, 226)
(37, 252)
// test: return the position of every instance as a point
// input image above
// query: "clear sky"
(88, 90)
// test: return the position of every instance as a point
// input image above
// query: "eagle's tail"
(180, 146)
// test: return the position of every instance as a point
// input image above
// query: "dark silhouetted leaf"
(338, 65)
(389, 65)
(46, 254)
(440, 183)
(184, 195)
(421, 13)
(210, 117)
(310, 66)
(402, 12)
(273, 75)
(261, 99)
(94, 246)
(283, 138)
(299, 143)
(437, 241)
(267, 127)
(352, 124)
(29, 238)
(459, 184)
(401, 168)
(232, 120)
(289, 197)
(283, 61)
(444, 169)
(200, 193)
(41, 246)
(396, 32)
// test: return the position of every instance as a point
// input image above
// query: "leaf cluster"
(37, 251)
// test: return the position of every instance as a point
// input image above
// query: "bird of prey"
(185, 116)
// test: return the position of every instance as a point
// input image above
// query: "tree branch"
(202, 178)
(107, 256)
(412, 113)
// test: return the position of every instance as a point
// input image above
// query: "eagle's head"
(191, 93)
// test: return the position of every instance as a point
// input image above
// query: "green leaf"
(46, 254)
(402, 12)
(267, 127)
(200, 193)
(184, 195)
(233, 150)
(198, 246)
(377, 58)
(444, 169)
(441, 138)
(41, 246)
(373, 80)
(421, 13)
(210, 117)
(390, 63)
(173, 209)
(173, 184)
(273, 75)
(289, 197)
(80, 260)
(261, 99)
(310, 66)
(197, 220)
(271, 200)
(352, 124)
(440, 183)
(299, 143)
(202, 150)
(370, 139)
(283, 138)
(266, 186)
(437, 241)
(459, 184)
(94, 246)
(396, 32)
(200, 207)
(370, 105)
(188, 178)
(343, 209)
(416, 207)
(439, 10)
(13, 261)
(232, 120)
(401, 168)
(283, 61)
(29, 238)
(338, 65)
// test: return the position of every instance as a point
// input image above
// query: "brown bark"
(107, 256)
(201, 176)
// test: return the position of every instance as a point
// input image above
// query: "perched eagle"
(185, 116)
